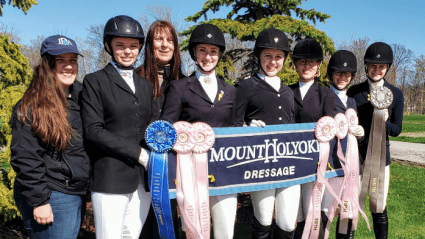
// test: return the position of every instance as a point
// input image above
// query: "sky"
(391, 21)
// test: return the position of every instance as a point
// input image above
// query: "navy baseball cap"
(57, 44)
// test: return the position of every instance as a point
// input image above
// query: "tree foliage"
(24, 5)
(248, 18)
(15, 75)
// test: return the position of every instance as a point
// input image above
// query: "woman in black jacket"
(52, 168)
(116, 109)
(161, 66)
(342, 68)
(312, 102)
(205, 97)
(263, 99)
(378, 60)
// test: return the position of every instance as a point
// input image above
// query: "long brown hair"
(44, 106)
(149, 69)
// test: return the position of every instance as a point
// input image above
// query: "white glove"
(257, 123)
(144, 158)
(358, 131)
(386, 114)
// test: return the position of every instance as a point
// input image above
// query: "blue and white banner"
(245, 159)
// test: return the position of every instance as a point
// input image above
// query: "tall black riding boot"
(299, 230)
(350, 233)
(259, 231)
(380, 224)
(282, 234)
(323, 225)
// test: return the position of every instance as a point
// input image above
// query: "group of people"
(69, 138)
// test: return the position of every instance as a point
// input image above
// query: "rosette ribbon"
(348, 191)
(325, 131)
(160, 137)
(204, 141)
(193, 142)
(374, 171)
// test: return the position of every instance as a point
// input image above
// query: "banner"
(245, 159)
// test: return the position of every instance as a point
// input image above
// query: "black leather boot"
(380, 224)
(299, 230)
(282, 234)
(259, 231)
(323, 225)
(349, 235)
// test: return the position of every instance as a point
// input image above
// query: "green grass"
(412, 124)
(408, 139)
(406, 207)
(414, 118)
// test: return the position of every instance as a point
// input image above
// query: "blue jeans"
(67, 213)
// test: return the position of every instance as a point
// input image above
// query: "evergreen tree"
(248, 18)
(24, 5)
(15, 75)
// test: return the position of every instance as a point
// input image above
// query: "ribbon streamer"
(374, 172)
(325, 131)
(192, 176)
(185, 176)
(204, 141)
(348, 190)
(160, 137)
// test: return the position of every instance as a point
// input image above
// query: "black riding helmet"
(206, 34)
(122, 26)
(342, 60)
(307, 48)
(379, 53)
(271, 38)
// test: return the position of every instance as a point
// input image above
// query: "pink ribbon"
(204, 141)
(349, 188)
(186, 189)
(192, 176)
(325, 131)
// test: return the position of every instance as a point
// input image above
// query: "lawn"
(413, 129)
(406, 209)
(406, 206)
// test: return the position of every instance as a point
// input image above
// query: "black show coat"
(114, 121)
(393, 125)
(188, 101)
(318, 102)
(256, 99)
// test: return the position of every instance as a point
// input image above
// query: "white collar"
(263, 77)
(199, 74)
(373, 84)
(307, 84)
(337, 91)
(122, 71)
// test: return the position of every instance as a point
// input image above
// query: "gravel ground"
(411, 152)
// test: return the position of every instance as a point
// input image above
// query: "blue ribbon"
(160, 137)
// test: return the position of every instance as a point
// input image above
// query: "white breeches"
(284, 200)
(223, 213)
(120, 215)
(306, 190)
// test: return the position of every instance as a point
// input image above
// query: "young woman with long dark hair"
(52, 168)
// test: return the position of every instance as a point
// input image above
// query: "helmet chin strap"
(262, 71)
(336, 87)
(202, 69)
